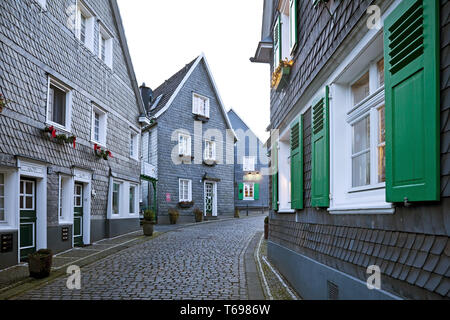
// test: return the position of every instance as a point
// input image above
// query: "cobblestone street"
(199, 262)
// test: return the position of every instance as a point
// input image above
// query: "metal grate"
(406, 38)
(295, 136)
(318, 116)
(333, 291)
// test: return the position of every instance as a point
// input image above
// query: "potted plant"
(40, 263)
(149, 221)
(173, 215)
(281, 74)
(266, 228)
(236, 213)
(198, 215)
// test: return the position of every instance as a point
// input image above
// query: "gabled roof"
(243, 122)
(171, 87)
(167, 89)
(126, 53)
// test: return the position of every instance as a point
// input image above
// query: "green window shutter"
(277, 43)
(297, 164)
(411, 55)
(320, 161)
(241, 191)
(256, 191)
(274, 153)
(293, 32)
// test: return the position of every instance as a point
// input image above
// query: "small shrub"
(236, 213)
(173, 215)
(149, 215)
(266, 220)
(198, 215)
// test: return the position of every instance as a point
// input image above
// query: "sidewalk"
(15, 280)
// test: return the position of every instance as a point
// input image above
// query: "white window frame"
(26, 195)
(134, 145)
(368, 107)
(83, 10)
(103, 124)
(210, 149)
(134, 200)
(196, 106)
(68, 91)
(106, 35)
(248, 163)
(184, 146)
(181, 190)
(250, 186)
(119, 203)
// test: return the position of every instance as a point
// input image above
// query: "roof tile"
(433, 282)
(422, 278)
(439, 245)
(427, 244)
(420, 259)
(444, 288)
(431, 262)
(443, 265)
(413, 275)
(420, 238)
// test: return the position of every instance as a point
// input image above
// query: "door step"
(211, 218)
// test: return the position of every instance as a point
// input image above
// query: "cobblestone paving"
(202, 262)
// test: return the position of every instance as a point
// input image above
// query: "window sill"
(249, 199)
(65, 222)
(5, 227)
(59, 127)
(103, 145)
(362, 211)
(368, 188)
(286, 211)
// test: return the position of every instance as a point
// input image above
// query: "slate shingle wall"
(34, 44)
(412, 247)
(179, 116)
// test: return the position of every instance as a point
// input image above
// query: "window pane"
(116, 194)
(59, 106)
(381, 164)
(2, 178)
(83, 29)
(29, 188)
(97, 127)
(360, 89)
(28, 202)
(361, 135)
(2, 190)
(21, 202)
(361, 170)
(380, 67)
(132, 191)
(381, 126)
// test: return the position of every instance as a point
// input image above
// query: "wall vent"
(333, 291)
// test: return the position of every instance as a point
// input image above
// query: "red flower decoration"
(109, 153)
(53, 131)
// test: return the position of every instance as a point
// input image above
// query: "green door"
(27, 217)
(78, 215)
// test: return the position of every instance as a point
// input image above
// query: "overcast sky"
(163, 36)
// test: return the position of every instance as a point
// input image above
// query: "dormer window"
(200, 105)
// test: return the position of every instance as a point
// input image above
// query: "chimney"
(147, 96)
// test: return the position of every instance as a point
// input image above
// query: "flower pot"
(40, 263)
(185, 204)
(266, 231)
(147, 227)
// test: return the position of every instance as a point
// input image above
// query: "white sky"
(163, 36)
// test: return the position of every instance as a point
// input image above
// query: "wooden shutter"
(296, 164)
(277, 43)
(293, 32)
(241, 191)
(256, 191)
(320, 160)
(274, 154)
(411, 51)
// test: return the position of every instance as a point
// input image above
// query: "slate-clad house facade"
(360, 145)
(190, 140)
(251, 181)
(69, 153)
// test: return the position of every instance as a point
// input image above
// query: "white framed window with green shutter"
(293, 25)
